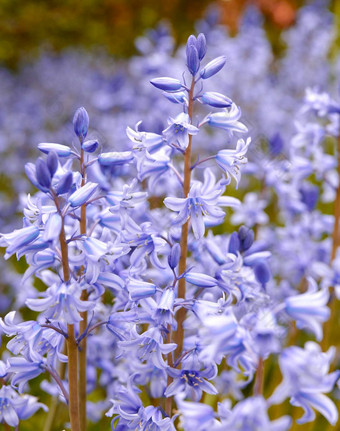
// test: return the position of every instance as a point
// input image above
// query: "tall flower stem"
(331, 327)
(178, 335)
(259, 379)
(334, 304)
(82, 354)
(72, 348)
(180, 316)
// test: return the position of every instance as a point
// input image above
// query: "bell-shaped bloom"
(230, 161)
(204, 200)
(227, 120)
(148, 346)
(196, 416)
(306, 379)
(18, 239)
(139, 289)
(52, 227)
(131, 413)
(250, 415)
(144, 140)
(179, 130)
(191, 381)
(309, 309)
(115, 158)
(14, 407)
(23, 371)
(61, 301)
(217, 100)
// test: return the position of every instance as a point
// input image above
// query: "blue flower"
(179, 130)
(309, 309)
(191, 381)
(227, 120)
(14, 407)
(230, 161)
(61, 301)
(203, 202)
(306, 379)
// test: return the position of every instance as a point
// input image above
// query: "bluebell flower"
(144, 140)
(148, 345)
(203, 200)
(139, 289)
(52, 227)
(306, 379)
(230, 161)
(250, 415)
(195, 416)
(24, 371)
(115, 158)
(18, 239)
(145, 242)
(132, 414)
(227, 120)
(179, 130)
(309, 309)
(193, 382)
(14, 407)
(61, 301)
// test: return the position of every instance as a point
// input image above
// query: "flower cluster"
(159, 289)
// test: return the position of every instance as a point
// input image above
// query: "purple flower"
(179, 130)
(191, 381)
(306, 379)
(204, 200)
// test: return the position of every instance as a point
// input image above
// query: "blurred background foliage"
(27, 26)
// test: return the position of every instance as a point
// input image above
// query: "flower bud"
(213, 67)
(262, 273)
(234, 243)
(174, 256)
(81, 123)
(43, 174)
(65, 183)
(90, 146)
(201, 45)
(166, 84)
(217, 100)
(193, 62)
(52, 162)
(80, 196)
(115, 158)
(61, 150)
(201, 280)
